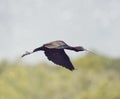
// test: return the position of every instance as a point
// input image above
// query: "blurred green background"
(27, 24)
(95, 77)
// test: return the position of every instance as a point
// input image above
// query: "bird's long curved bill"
(26, 53)
(90, 51)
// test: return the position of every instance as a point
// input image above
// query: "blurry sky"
(27, 24)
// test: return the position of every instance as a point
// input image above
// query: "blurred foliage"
(95, 77)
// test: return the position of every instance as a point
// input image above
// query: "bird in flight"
(55, 53)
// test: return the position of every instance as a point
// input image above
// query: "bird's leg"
(26, 53)
(35, 50)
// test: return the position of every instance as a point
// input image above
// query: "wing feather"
(59, 57)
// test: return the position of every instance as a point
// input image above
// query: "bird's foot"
(26, 53)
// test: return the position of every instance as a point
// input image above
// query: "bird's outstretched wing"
(58, 56)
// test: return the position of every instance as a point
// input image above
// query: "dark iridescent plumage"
(55, 53)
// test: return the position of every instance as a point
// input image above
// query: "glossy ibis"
(55, 53)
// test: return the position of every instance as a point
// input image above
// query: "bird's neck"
(77, 48)
(72, 48)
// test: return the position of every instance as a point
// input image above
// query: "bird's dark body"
(55, 53)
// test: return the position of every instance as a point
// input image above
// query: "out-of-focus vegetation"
(96, 77)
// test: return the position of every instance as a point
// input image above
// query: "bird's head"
(80, 48)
